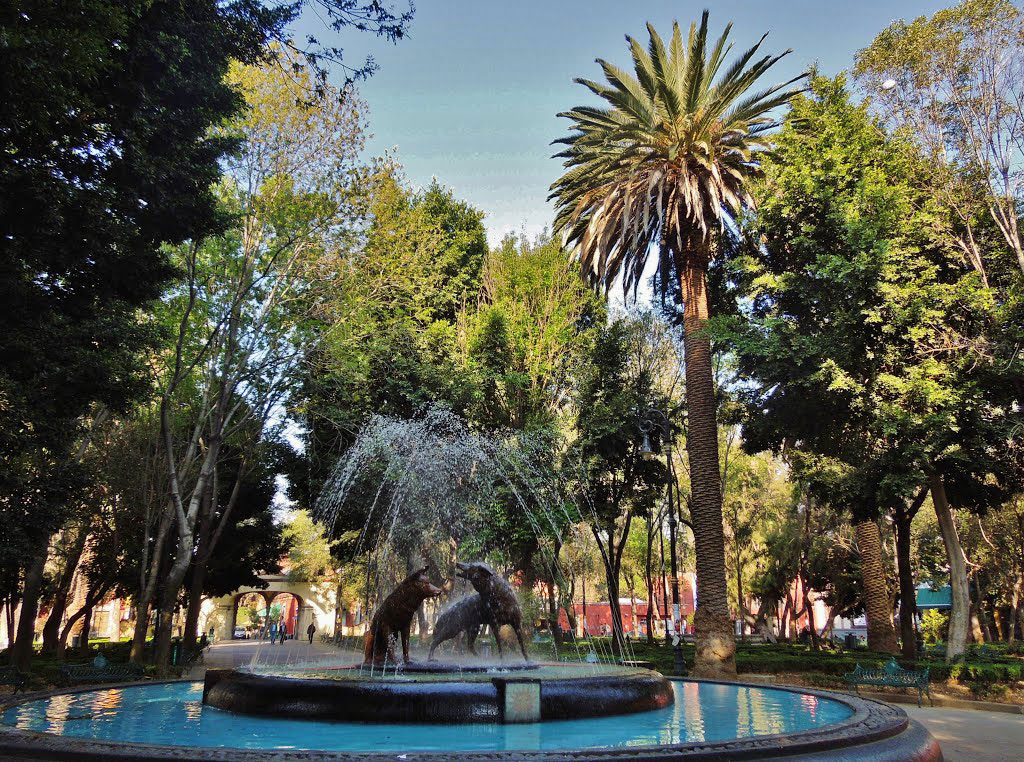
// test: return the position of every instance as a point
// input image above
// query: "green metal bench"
(13, 677)
(891, 675)
(99, 670)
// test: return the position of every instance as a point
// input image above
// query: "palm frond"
(668, 157)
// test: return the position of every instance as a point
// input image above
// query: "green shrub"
(934, 626)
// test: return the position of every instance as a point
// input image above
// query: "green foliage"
(309, 551)
(528, 337)
(958, 95)
(615, 395)
(934, 626)
(385, 325)
(860, 319)
(103, 163)
(667, 157)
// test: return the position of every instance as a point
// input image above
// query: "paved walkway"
(968, 735)
(238, 653)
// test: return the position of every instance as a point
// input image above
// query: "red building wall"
(599, 613)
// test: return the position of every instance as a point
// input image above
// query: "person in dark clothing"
(311, 630)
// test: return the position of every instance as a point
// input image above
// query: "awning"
(934, 599)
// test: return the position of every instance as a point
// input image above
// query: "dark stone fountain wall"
(455, 701)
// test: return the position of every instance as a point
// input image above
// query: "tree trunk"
(982, 617)
(1015, 601)
(956, 642)
(148, 590)
(51, 630)
(195, 602)
(168, 605)
(739, 596)
(556, 629)
(339, 606)
(634, 622)
(21, 652)
(812, 626)
(804, 588)
(92, 597)
(908, 592)
(715, 637)
(784, 618)
(618, 636)
(83, 643)
(881, 635)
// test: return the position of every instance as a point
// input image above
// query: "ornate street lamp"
(646, 451)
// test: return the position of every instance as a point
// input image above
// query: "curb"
(946, 702)
(940, 701)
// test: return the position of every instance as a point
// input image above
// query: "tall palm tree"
(665, 165)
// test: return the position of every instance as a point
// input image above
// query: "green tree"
(102, 163)
(240, 319)
(309, 550)
(663, 168)
(616, 481)
(863, 327)
(955, 82)
(529, 334)
(109, 153)
(386, 321)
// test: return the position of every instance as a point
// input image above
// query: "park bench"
(638, 663)
(13, 677)
(99, 670)
(891, 675)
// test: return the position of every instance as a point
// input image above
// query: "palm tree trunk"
(881, 634)
(715, 637)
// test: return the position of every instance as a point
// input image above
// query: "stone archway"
(289, 608)
(256, 599)
(313, 604)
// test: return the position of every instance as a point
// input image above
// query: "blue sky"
(471, 96)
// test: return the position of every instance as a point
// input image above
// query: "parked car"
(241, 633)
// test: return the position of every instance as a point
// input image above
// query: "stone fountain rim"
(871, 722)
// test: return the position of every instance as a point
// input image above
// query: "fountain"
(423, 488)
(482, 691)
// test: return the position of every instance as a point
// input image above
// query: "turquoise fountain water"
(173, 714)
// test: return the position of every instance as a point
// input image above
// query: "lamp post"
(665, 426)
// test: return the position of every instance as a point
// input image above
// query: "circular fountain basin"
(436, 693)
(707, 720)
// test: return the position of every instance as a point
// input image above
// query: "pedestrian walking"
(311, 630)
(273, 633)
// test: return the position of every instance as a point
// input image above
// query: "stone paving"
(969, 735)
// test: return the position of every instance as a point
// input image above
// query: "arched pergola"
(292, 608)
(304, 603)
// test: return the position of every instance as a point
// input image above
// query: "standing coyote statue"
(499, 603)
(465, 615)
(394, 616)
